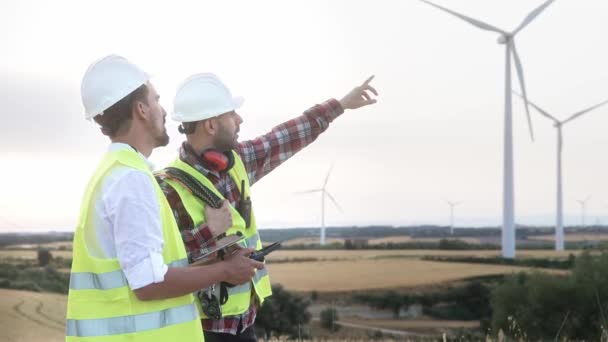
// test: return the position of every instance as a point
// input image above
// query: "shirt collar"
(117, 146)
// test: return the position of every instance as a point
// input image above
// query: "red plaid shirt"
(260, 156)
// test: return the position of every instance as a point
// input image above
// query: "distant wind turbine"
(508, 39)
(583, 204)
(324, 192)
(559, 220)
(452, 205)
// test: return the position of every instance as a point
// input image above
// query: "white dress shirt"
(127, 224)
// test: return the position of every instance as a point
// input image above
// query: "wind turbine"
(324, 192)
(559, 220)
(583, 204)
(508, 39)
(452, 205)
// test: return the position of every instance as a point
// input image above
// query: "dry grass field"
(50, 245)
(413, 324)
(28, 316)
(31, 254)
(32, 317)
(393, 239)
(336, 255)
(310, 241)
(572, 237)
(400, 239)
(364, 274)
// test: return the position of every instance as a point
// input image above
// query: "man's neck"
(137, 144)
(199, 145)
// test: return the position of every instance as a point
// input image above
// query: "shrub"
(329, 317)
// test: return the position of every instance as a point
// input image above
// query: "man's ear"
(210, 126)
(140, 110)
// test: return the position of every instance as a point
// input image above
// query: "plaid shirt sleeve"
(263, 154)
(194, 238)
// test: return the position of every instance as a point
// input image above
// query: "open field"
(365, 274)
(401, 239)
(572, 237)
(334, 255)
(28, 316)
(413, 324)
(31, 254)
(67, 245)
(344, 254)
(311, 241)
(377, 241)
(32, 316)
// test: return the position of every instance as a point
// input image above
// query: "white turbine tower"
(324, 193)
(559, 220)
(583, 204)
(452, 205)
(508, 39)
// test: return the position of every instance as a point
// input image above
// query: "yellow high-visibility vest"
(101, 306)
(239, 297)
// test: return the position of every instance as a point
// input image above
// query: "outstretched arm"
(263, 154)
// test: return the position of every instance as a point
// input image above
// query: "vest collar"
(122, 146)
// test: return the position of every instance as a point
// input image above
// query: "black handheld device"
(245, 206)
(259, 255)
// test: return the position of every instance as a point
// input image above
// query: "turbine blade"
(327, 177)
(522, 84)
(585, 111)
(531, 16)
(334, 200)
(474, 22)
(540, 110)
(308, 191)
(450, 203)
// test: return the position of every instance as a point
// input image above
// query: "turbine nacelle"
(503, 39)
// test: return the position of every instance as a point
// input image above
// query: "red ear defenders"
(217, 161)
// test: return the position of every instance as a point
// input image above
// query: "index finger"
(257, 264)
(372, 89)
(246, 251)
(369, 79)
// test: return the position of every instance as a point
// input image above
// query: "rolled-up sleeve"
(133, 208)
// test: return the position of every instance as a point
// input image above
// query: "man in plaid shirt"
(214, 126)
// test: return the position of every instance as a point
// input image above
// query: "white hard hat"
(203, 96)
(107, 81)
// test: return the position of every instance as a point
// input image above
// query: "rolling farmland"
(32, 316)
(334, 255)
(352, 275)
(31, 254)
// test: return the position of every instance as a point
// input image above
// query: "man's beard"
(224, 141)
(162, 139)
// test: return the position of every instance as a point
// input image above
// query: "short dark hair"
(188, 127)
(117, 119)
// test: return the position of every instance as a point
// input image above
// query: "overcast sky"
(434, 135)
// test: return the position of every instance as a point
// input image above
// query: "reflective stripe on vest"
(252, 241)
(108, 280)
(131, 324)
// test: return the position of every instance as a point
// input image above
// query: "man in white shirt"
(127, 240)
